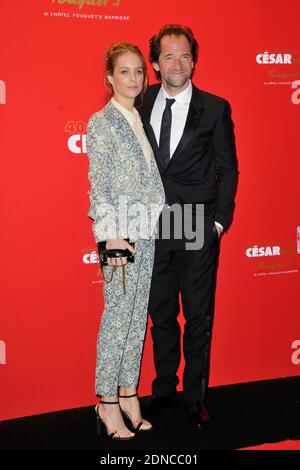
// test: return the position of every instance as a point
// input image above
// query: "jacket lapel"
(145, 111)
(193, 119)
(126, 134)
(192, 122)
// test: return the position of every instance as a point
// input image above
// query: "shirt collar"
(184, 97)
(131, 116)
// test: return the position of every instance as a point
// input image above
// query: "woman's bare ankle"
(127, 391)
(110, 399)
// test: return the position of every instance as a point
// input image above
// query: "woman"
(125, 182)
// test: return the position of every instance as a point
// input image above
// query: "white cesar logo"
(90, 258)
(77, 143)
(267, 58)
(295, 357)
(255, 251)
(2, 92)
(2, 352)
(296, 94)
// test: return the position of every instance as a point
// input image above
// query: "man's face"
(175, 62)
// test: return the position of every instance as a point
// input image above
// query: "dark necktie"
(165, 132)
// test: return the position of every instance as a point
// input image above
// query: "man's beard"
(177, 84)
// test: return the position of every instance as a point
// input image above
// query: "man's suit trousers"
(193, 274)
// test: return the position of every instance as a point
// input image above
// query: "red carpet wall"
(51, 81)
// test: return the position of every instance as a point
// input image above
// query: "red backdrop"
(51, 81)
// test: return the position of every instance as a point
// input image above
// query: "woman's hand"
(118, 243)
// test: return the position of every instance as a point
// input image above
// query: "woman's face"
(128, 77)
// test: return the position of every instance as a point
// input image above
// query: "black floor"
(242, 415)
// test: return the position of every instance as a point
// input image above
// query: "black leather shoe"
(197, 413)
(159, 404)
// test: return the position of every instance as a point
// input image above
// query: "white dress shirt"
(179, 111)
(179, 114)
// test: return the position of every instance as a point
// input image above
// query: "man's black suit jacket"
(203, 168)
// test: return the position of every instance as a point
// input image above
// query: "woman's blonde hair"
(116, 50)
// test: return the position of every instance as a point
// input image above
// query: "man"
(191, 133)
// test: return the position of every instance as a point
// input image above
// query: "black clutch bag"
(104, 254)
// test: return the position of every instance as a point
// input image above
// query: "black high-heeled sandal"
(126, 415)
(101, 424)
